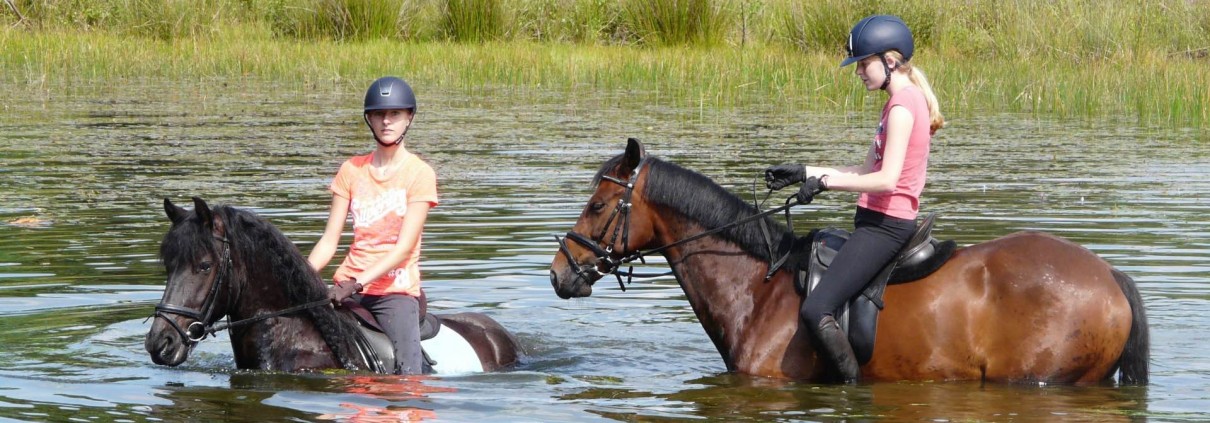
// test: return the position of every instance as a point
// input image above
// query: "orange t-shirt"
(378, 207)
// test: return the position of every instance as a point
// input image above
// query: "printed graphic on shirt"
(368, 212)
(879, 136)
(401, 280)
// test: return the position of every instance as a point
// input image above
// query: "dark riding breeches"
(399, 317)
(875, 240)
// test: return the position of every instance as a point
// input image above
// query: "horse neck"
(262, 287)
(726, 287)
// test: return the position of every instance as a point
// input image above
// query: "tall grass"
(678, 22)
(474, 20)
(1071, 58)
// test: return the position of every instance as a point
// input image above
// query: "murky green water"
(85, 169)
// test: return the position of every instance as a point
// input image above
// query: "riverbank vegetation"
(1142, 62)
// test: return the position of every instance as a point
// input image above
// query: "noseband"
(199, 329)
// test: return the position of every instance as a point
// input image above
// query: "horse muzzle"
(166, 345)
(574, 284)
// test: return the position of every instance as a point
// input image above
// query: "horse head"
(615, 222)
(197, 256)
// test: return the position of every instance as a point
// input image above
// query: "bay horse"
(231, 262)
(1029, 307)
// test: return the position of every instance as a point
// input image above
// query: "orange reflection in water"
(388, 388)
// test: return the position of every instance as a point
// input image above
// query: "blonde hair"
(936, 120)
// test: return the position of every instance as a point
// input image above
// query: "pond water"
(85, 169)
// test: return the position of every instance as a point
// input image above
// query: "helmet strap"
(886, 67)
(366, 117)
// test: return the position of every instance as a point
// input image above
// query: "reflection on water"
(84, 175)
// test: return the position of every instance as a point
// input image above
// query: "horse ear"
(634, 153)
(175, 213)
(203, 211)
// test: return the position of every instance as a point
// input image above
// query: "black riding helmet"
(389, 93)
(878, 34)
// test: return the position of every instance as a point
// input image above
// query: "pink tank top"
(904, 201)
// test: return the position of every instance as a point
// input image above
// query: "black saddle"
(375, 347)
(920, 257)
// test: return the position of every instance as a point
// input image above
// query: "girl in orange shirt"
(389, 193)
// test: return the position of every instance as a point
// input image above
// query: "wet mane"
(699, 199)
(257, 244)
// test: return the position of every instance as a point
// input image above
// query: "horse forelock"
(186, 242)
(698, 198)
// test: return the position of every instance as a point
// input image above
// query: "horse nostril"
(554, 279)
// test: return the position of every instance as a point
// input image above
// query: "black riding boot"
(835, 344)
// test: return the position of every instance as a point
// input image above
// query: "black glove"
(781, 176)
(809, 189)
(341, 290)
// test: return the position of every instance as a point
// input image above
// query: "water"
(86, 168)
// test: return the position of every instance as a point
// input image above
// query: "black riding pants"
(875, 240)
(399, 317)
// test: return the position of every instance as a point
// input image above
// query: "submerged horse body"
(1025, 307)
(228, 262)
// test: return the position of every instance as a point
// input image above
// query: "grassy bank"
(1145, 62)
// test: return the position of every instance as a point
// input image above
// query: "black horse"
(230, 262)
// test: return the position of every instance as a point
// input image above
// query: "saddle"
(375, 347)
(920, 257)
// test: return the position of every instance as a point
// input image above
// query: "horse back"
(1027, 306)
(495, 345)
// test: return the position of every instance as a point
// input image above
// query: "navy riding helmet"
(878, 34)
(389, 93)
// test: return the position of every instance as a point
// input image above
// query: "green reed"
(1142, 61)
(677, 22)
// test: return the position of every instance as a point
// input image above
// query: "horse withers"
(1027, 307)
(228, 262)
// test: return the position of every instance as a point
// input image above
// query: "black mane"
(257, 244)
(699, 199)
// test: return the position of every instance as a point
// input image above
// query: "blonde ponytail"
(936, 120)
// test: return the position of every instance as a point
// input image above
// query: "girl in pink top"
(890, 179)
(389, 193)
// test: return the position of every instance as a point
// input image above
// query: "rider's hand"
(341, 290)
(781, 176)
(810, 187)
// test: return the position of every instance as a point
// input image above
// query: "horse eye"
(596, 207)
(203, 267)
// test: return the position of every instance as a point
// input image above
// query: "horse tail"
(1133, 364)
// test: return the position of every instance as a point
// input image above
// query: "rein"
(200, 329)
(221, 326)
(613, 265)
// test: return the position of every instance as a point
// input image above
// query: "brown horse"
(1028, 307)
(231, 262)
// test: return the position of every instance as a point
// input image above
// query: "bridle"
(605, 257)
(201, 326)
